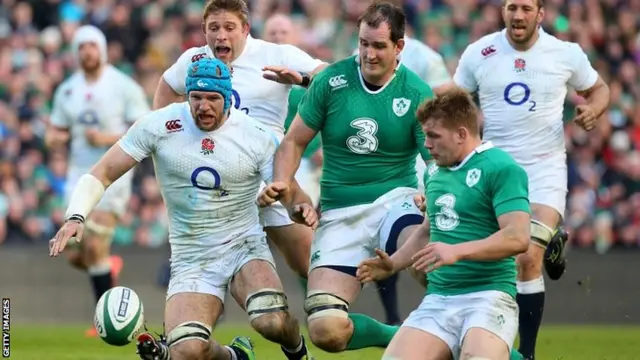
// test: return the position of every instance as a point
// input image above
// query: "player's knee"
(189, 341)
(329, 325)
(268, 313)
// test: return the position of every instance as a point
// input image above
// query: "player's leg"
(547, 195)
(490, 326)
(401, 221)
(340, 244)
(292, 240)
(257, 289)
(429, 333)
(195, 302)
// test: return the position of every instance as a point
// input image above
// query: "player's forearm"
(56, 138)
(599, 99)
(287, 160)
(507, 242)
(402, 258)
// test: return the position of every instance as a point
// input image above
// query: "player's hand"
(94, 137)
(434, 256)
(585, 117)
(70, 229)
(273, 193)
(375, 269)
(420, 201)
(304, 214)
(282, 75)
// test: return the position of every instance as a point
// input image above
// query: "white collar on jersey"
(486, 145)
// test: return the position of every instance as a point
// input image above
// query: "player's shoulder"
(485, 46)
(346, 66)
(252, 127)
(67, 85)
(554, 45)
(166, 120)
(120, 77)
(194, 54)
(412, 84)
(496, 159)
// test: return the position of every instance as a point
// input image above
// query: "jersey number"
(525, 98)
(88, 118)
(447, 218)
(365, 141)
(203, 182)
(236, 102)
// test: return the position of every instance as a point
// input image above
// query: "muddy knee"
(268, 314)
(189, 341)
(329, 326)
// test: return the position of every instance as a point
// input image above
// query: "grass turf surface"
(555, 343)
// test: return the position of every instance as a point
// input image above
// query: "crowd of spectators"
(146, 36)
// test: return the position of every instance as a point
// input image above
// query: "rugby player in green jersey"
(364, 108)
(478, 217)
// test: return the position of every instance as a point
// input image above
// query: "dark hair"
(380, 12)
(453, 109)
(539, 3)
(236, 6)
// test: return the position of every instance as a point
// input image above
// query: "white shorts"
(115, 199)
(450, 317)
(211, 271)
(347, 236)
(548, 182)
(308, 176)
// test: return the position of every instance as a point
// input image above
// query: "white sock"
(534, 286)
(296, 349)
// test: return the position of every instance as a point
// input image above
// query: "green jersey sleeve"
(313, 106)
(510, 190)
(295, 96)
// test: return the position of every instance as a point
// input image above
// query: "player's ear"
(540, 17)
(463, 133)
(203, 26)
(246, 28)
(399, 46)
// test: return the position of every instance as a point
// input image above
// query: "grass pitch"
(555, 343)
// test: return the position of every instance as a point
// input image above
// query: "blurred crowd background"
(145, 37)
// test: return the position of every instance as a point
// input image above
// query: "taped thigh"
(190, 330)
(266, 301)
(541, 234)
(321, 304)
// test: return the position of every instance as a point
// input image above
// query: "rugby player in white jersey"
(210, 160)
(263, 74)
(92, 109)
(523, 114)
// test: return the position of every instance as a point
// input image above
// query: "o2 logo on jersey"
(516, 90)
(447, 218)
(365, 141)
(207, 178)
(88, 118)
(236, 102)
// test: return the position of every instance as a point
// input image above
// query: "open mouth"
(519, 29)
(223, 50)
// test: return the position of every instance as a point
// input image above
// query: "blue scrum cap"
(210, 75)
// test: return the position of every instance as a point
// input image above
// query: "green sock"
(368, 332)
(515, 355)
(303, 284)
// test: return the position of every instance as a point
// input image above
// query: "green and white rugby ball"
(119, 316)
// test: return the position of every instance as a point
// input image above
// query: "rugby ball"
(119, 316)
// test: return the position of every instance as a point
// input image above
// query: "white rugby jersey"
(264, 100)
(522, 94)
(424, 61)
(111, 105)
(208, 180)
